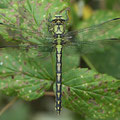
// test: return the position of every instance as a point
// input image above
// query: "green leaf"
(29, 18)
(28, 74)
(24, 74)
(91, 94)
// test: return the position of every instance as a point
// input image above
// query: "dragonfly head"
(57, 25)
(58, 19)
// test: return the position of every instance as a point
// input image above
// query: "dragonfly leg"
(66, 16)
(49, 18)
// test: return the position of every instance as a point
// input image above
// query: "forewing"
(96, 32)
(12, 36)
(97, 37)
(11, 32)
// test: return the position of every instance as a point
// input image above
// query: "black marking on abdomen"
(58, 79)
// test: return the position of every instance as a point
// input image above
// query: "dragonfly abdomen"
(58, 77)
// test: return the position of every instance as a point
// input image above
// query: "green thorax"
(58, 27)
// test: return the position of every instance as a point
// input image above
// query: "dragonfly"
(84, 40)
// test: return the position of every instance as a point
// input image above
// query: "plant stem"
(49, 94)
(8, 105)
(89, 63)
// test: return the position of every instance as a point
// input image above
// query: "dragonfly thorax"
(58, 29)
(57, 25)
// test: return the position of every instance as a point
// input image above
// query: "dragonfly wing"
(94, 33)
(16, 37)
(18, 33)
(94, 38)
(23, 47)
(84, 47)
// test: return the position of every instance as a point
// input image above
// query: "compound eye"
(53, 21)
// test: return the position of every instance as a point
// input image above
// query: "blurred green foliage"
(110, 4)
(107, 61)
(19, 111)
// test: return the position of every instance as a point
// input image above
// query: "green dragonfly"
(82, 40)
